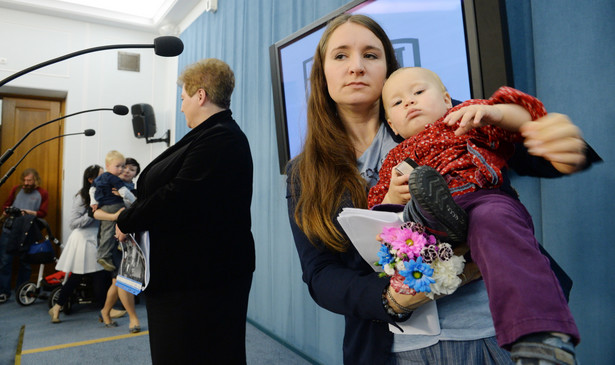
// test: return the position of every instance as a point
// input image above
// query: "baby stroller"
(27, 239)
(31, 238)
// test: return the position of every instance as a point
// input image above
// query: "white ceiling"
(158, 16)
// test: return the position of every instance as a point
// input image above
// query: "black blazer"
(194, 199)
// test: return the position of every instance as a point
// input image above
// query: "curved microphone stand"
(165, 46)
(87, 132)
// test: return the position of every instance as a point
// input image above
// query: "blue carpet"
(81, 339)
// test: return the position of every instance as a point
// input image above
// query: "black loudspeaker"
(143, 120)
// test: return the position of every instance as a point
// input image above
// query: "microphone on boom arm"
(165, 46)
(117, 109)
(87, 132)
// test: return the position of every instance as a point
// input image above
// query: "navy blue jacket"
(345, 284)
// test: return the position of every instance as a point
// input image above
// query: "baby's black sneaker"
(433, 205)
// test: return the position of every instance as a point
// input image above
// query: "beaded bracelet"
(397, 317)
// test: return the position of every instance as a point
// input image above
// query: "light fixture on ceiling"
(149, 15)
(211, 5)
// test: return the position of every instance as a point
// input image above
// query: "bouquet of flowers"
(418, 262)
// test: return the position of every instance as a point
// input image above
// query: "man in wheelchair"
(28, 198)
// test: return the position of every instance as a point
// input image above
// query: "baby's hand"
(473, 116)
(94, 207)
(398, 193)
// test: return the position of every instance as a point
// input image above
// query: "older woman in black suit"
(194, 199)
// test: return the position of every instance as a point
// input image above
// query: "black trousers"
(100, 284)
(206, 324)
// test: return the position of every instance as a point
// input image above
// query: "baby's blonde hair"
(426, 70)
(113, 156)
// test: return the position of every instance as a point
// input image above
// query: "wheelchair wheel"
(53, 299)
(26, 293)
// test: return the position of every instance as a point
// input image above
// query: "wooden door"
(19, 116)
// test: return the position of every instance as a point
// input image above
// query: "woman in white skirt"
(131, 170)
(79, 253)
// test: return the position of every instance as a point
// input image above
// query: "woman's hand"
(412, 302)
(117, 214)
(409, 302)
(470, 273)
(398, 193)
(470, 269)
(121, 236)
(556, 139)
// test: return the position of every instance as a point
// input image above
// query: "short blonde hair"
(113, 156)
(212, 75)
(429, 72)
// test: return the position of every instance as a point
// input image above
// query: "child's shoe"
(106, 264)
(544, 349)
(433, 206)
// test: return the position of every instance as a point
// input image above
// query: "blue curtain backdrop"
(240, 33)
(562, 53)
(573, 46)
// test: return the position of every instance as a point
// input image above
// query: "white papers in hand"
(362, 227)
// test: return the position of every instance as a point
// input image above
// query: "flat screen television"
(463, 41)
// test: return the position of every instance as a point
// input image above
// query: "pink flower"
(389, 234)
(409, 243)
(431, 240)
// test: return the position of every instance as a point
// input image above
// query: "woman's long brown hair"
(327, 166)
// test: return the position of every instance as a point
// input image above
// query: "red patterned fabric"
(468, 162)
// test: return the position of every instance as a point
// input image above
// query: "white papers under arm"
(144, 243)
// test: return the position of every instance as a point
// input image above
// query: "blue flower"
(418, 275)
(384, 256)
